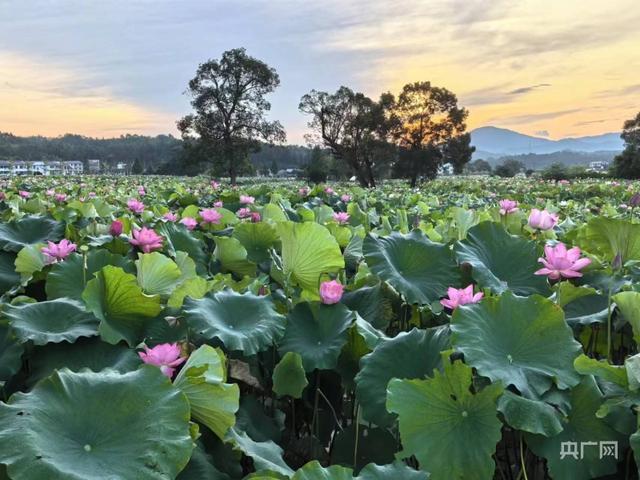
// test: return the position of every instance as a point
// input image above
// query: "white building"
(41, 168)
(74, 167)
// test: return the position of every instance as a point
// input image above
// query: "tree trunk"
(413, 180)
(372, 180)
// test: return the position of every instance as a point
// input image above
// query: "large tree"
(351, 125)
(229, 119)
(428, 127)
(627, 164)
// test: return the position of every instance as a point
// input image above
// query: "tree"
(509, 168)
(458, 152)
(627, 164)
(556, 171)
(137, 169)
(351, 125)
(479, 165)
(424, 119)
(228, 97)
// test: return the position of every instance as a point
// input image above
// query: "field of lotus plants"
(160, 328)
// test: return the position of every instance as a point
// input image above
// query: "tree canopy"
(627, 164)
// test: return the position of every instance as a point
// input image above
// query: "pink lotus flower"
(189, 222)
(508, 206)
(460, 296)
(115, 230)
(329, 191)
(331, 292)
(218, 204)
(60, 197)
(564, 182)
(56, 252)
(560, 262)
(172, 217)
(50, 192)
(255, 217)
(24, 194)
(303, 192)
(166, 356)
(243, 213)
(3, 195)
(214, 184)
(141, 191)
(345, 198)
(146, 240)
(341, 217)
(136, 206)
(246, 200)
(209, 215)
(542, 220)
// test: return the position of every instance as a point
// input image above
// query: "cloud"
(589, 122)
(531, 118)
(542, 133)
(523, 90)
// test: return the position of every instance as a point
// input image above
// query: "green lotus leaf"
(314, 471)
(501, 261)
(69, 278)
(308, 251)
(371, 304)
(452, 432)
(257, 239)
(261, 426)
(202, 379)
(16, 234)
(91, 353)
(266, 455)
(317, 333)
(609, 237)
(157, 274)
(87, 425)
(29, 260)
(272, 212)
(394, 471)
(233, 257)
(587, 310)
(629, 305)
(416, 267)
(409, 355)
(10, 353)
(533, 416)
(179, 239)
(196, 287)
(289, 377)
(602, 369)
(52, 321)
(9, 278)
(186, 265)
(581, 425)
(116, 299)
(524, 342)
(245, 322)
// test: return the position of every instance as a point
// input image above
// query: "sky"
(551, 68)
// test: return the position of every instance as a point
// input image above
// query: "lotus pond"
(160, 328)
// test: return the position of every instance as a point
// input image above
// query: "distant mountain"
(491, 142)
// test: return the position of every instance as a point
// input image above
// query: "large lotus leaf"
(9, 278)
(609, 237)
(52, 321)
(261, 426)
(413, 354)
(157, 274)
(28, 231)
(394, 471)
(289, 377)
(524, 342)
(233, 257)
(257, 239)
(581, 425)
(317, 333)
(371, 304)
(245, 322)
(87, 425)
(314, 471)
(629, 305)
(69, 278)
(116, 299)
(587, 310)
(91, 353)
(213, 402)
(29, 260)
(501, 261)
(178, 238)
(533, 416)
(266, 455)
(416, 267)
(308, 251)
(10, 354)
(452, 432)
(196, 287)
